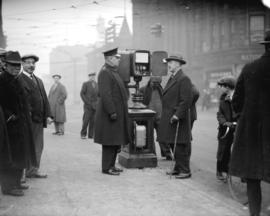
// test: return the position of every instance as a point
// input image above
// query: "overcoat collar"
(178, 74)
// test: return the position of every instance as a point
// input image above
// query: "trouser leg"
(91, 123)
(182, 157)
(56, 126)
(254, 196)
(86, 119)
(109, 154)
(61, 127)
(10, 178)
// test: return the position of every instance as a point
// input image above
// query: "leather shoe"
(110, 172)
(13, 192)
(22, 187)
(55, 133)
(83, 137)
(116, 169)
(37, 175)
(183, 175)
(173, 172)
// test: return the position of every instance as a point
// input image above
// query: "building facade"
(215, 37)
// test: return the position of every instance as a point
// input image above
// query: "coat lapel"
(173, 81)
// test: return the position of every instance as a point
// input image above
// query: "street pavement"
(76, 187)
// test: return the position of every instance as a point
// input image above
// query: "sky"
(37, 26)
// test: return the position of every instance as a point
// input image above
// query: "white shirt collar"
(27, 74)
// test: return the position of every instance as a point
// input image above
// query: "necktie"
(33, 79)
(170, 79)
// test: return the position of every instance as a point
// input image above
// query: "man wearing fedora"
(19, 151)
(175, 120)
(250, 157)
(111, 121)
(39, 107)
(57, 97)
(89, 95)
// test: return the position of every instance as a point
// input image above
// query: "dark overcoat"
(176, 100)
(193, 110)
(37, 98)
(14, 102)
(113, 99)
(5, 153)
(57, 99)
(251, 151)
(89, 94)
(224, 114)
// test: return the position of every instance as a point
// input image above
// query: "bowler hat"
(92, 74)
(13, 57)
(112, 52)
(176, 57)
(56, 75)
(228, 81)
(33, 56)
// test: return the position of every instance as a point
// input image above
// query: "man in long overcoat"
(57, 97)
(250, 157)
(89, 95)
(176, 103)
(111, 127)
(39, 108)
(21, 149)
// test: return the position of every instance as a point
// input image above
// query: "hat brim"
(175, 59)
(264, 42)
(13, 62)
(57, 76)
(33, 57)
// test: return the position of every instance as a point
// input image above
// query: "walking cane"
(174, 147)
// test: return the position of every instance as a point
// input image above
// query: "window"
(256, 28)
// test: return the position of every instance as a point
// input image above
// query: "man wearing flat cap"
(111, 122)
(175, 118)
(57, 97)
(19, 151)
(39, 108)
(89, 95)
(250, 157)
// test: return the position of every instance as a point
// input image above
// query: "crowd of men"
(25, 111)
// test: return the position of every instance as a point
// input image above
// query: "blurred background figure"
(227, 122)
(2, 58)
(57, 97)
(89, 95)
(206, 100)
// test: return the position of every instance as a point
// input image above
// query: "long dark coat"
(176, 100)
(37, 98)
(224, 114)
(89, 94)
(193, 109)
(113, 99)
(5, 153)
(57, 99)
(251, 151)
(13, 101)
